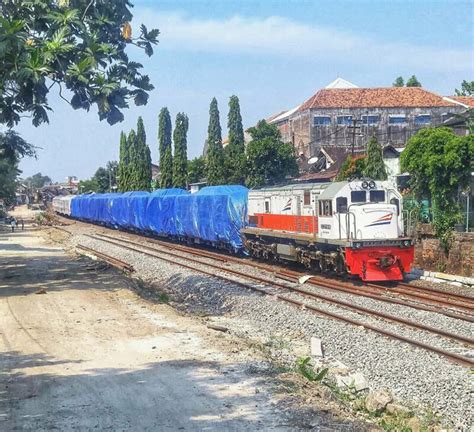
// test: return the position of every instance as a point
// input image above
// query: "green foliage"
(102, 181)
(166, 158)
(352, 168)
(440, 164)
(124, 159)
(215, 152)
(37, 180)
(180, 160)
(88, 186)
(413, 82)
(304, 367)
(78, 45)
(399, 82)
(374, 164)
(12, 148)
(467, 89)
(142, 161)
(269, 159)
(234, 153)
(196, 170)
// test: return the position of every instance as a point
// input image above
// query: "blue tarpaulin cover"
(215, 214)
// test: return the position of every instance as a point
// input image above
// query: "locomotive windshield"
(358, 196)
(377, 196)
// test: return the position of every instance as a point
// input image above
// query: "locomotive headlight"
(372, 184)
(365, 185)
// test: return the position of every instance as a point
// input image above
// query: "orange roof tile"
(375, 98)
(466, 100)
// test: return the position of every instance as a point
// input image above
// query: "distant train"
(353, 228)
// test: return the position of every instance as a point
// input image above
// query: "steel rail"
(330, 284)
(110, 259)
(458, 358)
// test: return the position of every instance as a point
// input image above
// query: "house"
(344, 115)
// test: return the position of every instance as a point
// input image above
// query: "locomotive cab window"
(377, 196)
(325, 208)
(396, 203)
(358, 196)
(307, 198)
(341, 205)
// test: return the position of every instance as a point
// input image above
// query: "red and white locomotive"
(351, 227)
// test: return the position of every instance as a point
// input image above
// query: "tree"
(196, 170)
(78, 45)
(235, 160)
(123, 166)
(88, 186)
(143, 160)
(440, 165)
(398, 82)
(375, 166)
(37, 180)
(132, 166)
(180, 160)
(269, 159)
(467, 89)
(166, 158)
(101, 180)
(352, 168)
(12, 149)
(215, 152)
(413, 82)
(112, 171)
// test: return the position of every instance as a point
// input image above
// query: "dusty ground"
(81, 350)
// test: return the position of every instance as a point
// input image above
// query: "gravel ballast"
(413, 375)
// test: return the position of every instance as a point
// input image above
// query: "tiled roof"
(466, 100)
(375, 98)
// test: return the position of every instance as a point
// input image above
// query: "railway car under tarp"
(160, 218)
(215, 214)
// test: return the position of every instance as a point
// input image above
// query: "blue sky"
(273, 55)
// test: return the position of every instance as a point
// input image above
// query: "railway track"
(463, 311)
(173, 254)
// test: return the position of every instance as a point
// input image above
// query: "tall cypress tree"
(375, 166)
(215, 152)
(143, 160)
(180, 160)
(123, 163)
(133, 156)
(166, 158)
(235, 161)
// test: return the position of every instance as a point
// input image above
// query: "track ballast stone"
(414, 375)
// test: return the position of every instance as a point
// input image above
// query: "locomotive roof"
(331, 191)
(296, 186)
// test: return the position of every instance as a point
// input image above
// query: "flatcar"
(353, 228)
(347, 227)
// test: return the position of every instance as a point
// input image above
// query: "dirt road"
(79, 350)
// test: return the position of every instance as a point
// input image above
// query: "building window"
(377, 196)
(322, 120)
(344, 120)
(325, 208)
(358, 196)
(397, 119)
(422, 119)
(370, 119)
(307, 198)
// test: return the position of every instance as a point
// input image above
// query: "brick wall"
(430, 256)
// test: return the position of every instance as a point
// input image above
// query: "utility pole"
(354, 129)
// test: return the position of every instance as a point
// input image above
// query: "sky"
(272, 54)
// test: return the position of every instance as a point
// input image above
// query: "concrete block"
(316, 347)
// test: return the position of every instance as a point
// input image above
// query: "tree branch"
(87, 8)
